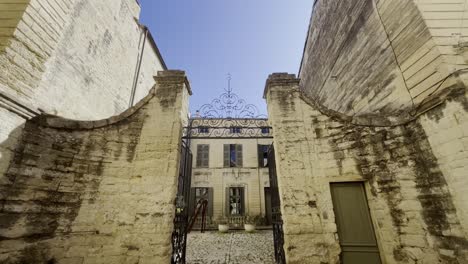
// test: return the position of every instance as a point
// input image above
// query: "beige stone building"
(370, 139)
(71, 191)
(84, 60)
(230, 167)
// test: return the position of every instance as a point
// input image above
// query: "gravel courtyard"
(235, 247)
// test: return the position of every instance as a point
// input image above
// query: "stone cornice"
(16, 107)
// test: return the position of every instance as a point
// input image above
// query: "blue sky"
(247, 38)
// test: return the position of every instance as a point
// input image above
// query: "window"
(263, 155)
(203, 155)
(232, 155)
(265, 130)
(235, 201)
(197, 194)
(203, 130)
(236, 130)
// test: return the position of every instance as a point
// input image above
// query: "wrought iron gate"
(276, 209)
(179, 235)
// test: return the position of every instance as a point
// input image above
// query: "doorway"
(355, 229)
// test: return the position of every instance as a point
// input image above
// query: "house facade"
(230, 168)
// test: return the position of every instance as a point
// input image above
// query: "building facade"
(230, 167)
(371, 137)
(83, 60)
(67, 186)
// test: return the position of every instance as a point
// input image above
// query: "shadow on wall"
(13, 224)
(78, 191)
(52, 173)
(7, 149)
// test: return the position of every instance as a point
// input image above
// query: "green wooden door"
(357, 237)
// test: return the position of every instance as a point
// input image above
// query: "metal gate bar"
(179, 235)
(278, 235)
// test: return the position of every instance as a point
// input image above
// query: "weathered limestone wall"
(97, 57)
(11, 12)
(384, 57)
(447, 132)
(417, 210)
(72, 58)
(447, 22)
(97, 191)
(86, 51)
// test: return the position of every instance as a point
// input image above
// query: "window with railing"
(235, 201)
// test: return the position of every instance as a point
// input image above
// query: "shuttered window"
(233, 155)
(203, 155)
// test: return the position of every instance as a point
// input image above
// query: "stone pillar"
(160, 145)
(306, 239)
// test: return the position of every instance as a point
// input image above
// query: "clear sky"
(249, 39)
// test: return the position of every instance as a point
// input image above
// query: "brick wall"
(96, 191)
(414, 212)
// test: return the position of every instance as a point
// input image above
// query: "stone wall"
(447, 131)
(384, 57)
(413, 176)
(11, 12)
(74, 58)
(447, 23)
(97, 191)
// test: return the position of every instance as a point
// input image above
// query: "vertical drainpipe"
(138, 67)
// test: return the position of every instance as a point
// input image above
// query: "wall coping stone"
(291, 82)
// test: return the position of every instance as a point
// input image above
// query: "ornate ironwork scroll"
(278, 236)
(179, 235)
(228, 128)
(228, 105)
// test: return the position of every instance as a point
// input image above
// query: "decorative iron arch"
(228, 105)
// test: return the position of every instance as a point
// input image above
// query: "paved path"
(236, 247)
